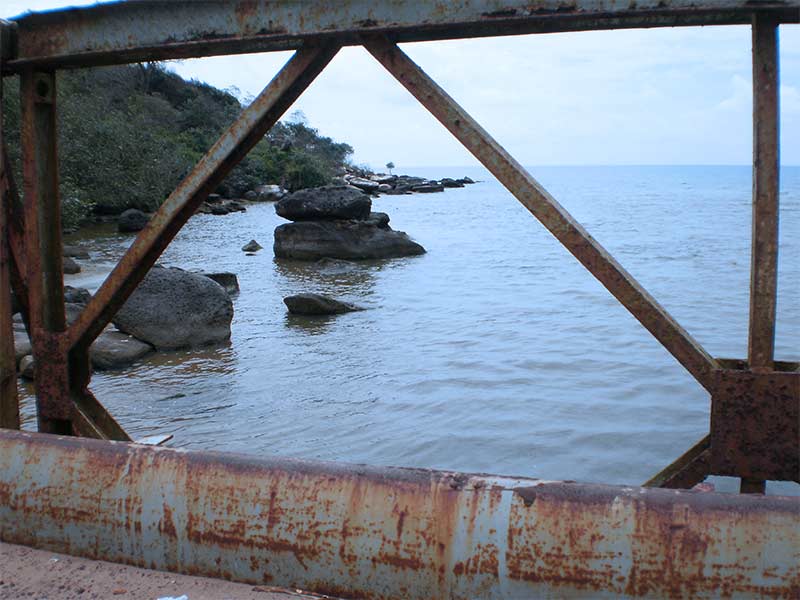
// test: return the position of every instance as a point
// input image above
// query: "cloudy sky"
(661, 96)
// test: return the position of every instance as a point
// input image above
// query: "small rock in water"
(70, 266)
(27, 367)
(267, 193)
(75, 295)
(114, 350)
(76, 252)
(317, 304)
(131, 220)
(251, 246)
(22, 345)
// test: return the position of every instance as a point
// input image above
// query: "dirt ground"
(40, 575)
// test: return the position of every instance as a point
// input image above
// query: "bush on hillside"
(128, 135)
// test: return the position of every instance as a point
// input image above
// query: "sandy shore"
(37, 574)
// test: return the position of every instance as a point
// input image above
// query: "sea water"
(494, 352)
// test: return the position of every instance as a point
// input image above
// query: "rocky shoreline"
(175, 309)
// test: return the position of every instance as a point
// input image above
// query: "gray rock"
(173, 308)
(268, 193)
(384, 187)
(252, 246)
(70, 266)
(383, 179)
(465, 180)
(364, 184)
(219, 209)
(427, 188)
(213, 198)
(76, 252)
(22, 345)
(72, 311)
(114, 350)
(378, 219)
(228, 281)
(451, 183)
(132, 220)
(234, 206)
(250, 196)
(316, 304)
(350, 240)
(27, 367)
(325, 203)
(75, 295)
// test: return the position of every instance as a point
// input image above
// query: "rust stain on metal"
(755, 424)
(335, 529)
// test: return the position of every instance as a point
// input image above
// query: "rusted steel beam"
(755, 425)
(15, 223)
(156, 30)
(248, 129)
(547, 210)
(386, 533)
(766, 168)
(43, 250)
(766, 174)
(9, 401)
(688, 470)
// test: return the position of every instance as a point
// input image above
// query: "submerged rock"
(251, 246)
(325, 203)
(173, 308)
(317, 304)
(114, 350)
(132, 220)
(350, 240)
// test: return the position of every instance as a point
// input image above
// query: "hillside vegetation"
(127, 135)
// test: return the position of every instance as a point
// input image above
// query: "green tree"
(390, 166)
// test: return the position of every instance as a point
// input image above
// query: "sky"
(656, 96)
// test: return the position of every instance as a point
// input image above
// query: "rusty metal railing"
(755, 401)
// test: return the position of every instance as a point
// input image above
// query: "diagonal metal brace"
(547, 210)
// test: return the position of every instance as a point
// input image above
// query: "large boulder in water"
(173, 308)
(327, 203)
(349, 240)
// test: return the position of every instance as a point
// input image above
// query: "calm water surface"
(493, 352)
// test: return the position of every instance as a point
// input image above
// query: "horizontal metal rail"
(387, 533)
(124, 32)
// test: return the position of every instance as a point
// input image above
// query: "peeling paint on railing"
(371, 532)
